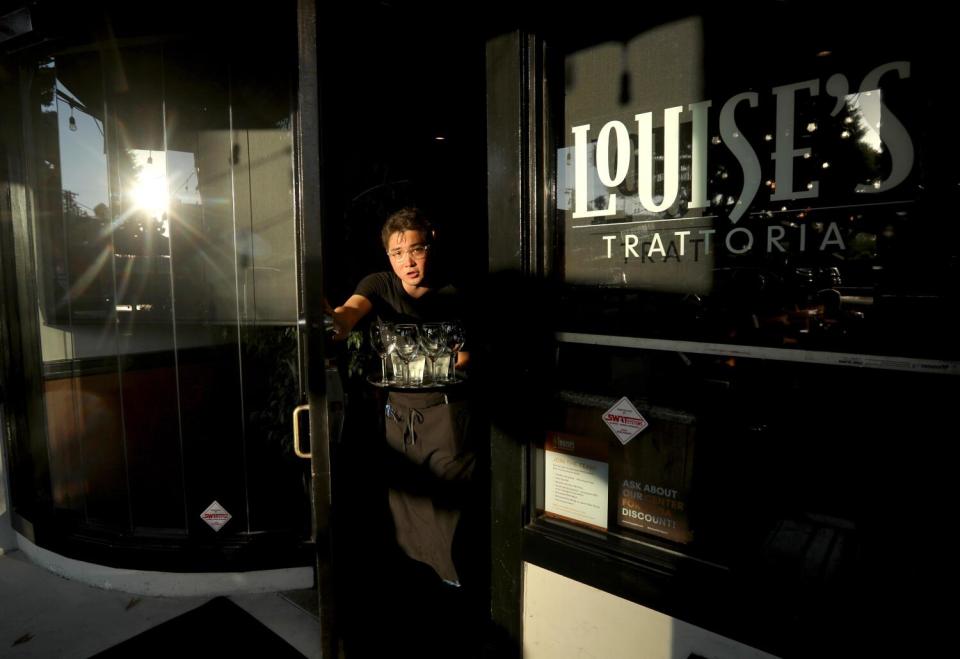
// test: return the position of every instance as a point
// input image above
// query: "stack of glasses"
(417, 355)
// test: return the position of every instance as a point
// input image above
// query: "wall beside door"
(566, 619)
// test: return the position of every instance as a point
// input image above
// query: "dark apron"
(431, 466)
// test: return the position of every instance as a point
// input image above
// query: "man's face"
(402, 250)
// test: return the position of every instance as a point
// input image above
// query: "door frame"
(20, 351)
(309, 195)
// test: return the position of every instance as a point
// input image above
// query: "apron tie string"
(414, 417)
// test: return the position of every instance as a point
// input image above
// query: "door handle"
(296, 432)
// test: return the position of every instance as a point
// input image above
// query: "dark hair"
(406, 219)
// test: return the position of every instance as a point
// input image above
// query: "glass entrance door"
(156, 275)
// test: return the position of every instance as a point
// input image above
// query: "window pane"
(745, 217)
(781, 194)
(165, 242)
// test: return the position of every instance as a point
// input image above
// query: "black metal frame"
(308, 181)
(21, 347)
(518, 202)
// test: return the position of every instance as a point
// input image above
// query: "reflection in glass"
(148, 193)
(809, 205)
(166, 269)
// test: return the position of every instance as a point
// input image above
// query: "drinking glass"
(433, 342)
(454, 338)
(408, 346)
(384, 341)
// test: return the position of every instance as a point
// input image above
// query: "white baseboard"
(167, 584)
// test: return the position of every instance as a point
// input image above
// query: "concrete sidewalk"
(45, 615)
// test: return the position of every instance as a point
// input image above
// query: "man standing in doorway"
(430, 462)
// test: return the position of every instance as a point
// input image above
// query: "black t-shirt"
(391, 303)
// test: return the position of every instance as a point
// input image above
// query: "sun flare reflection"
(149, 191)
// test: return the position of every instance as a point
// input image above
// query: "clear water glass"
(454, 339)
(384, 341)
(408, 346)
(433, 341)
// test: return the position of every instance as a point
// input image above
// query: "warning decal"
(624, 420)
(216, 516)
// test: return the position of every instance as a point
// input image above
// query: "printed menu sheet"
(576, 479)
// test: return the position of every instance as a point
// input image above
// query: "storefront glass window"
(755, 270)
(783, 189)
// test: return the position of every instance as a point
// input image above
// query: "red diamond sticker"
(624, 420)
(216, 516)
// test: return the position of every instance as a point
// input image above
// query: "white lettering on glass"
(785, 154)
(671, 159)
(890, 133)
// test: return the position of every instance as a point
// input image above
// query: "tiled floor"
(44, 615)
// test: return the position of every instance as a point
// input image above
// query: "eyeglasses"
(417, 252)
